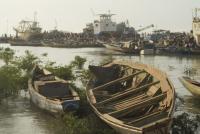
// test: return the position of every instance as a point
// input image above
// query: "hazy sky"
(72, 15)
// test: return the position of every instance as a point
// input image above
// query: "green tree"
(10, 80)
(78, 62)
(27, 62)
(6, 55)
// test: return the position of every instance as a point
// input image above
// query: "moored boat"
(125, 47)
(132, 98)
(147, 52)
(192, 85)
(51, 93)
(24, 43)
(148, 48)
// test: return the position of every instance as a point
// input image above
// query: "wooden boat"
(192, 85)
(147, 52)
(132, 98)
(51, 93)
(125, 47)
(148, 48)
(24, 43)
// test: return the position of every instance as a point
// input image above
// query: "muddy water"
(18, 116)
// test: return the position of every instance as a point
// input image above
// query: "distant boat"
(192, 85)
(132, 98)
(125, 47)
(28, 30)
(148, 48)
(24, 43)
(147, 52)
(51, 93)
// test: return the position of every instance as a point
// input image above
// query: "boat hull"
(52, 106)
(124, 50)
(24, 43)
(195, 90)
(131, 130)
(147, 52)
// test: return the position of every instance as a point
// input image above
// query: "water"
(20, 117)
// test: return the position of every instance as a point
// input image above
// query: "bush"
(10, 80)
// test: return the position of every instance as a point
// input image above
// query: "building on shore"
(196, 26)
(104, 24)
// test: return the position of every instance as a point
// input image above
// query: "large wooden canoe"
(192, 85)
(132, 98)
(51, 93)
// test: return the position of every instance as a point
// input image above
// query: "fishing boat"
(24, 43)
(148, 48)
(28, 33)
(132, 98)
(51, 93)
(192, 85)
(125, 47)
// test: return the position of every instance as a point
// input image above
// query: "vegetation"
(6, 55)
(185, 124)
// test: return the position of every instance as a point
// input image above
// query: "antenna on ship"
(127, 23)
(7, 26)
(93, 13)
(196, 12)
(56, 25)
(35, 16)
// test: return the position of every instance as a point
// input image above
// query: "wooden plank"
(138, 105)
(126, 68)
(129, 102)
(125, 93)
(143, 80)
(139, 88)
(130, 99)
(116, 81)
(146, 116)
(162, 123)
(105, 108)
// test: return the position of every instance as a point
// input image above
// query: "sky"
(72, 15)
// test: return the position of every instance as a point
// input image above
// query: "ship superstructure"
(196, 26)
(104, 24)
(28, 30)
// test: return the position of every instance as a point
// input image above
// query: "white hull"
(147, 52)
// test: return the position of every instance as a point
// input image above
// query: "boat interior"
(50, 86)
(133, 97)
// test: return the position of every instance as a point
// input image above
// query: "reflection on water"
(192, 104)
(20, 117)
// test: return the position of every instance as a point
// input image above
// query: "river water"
(18, 116)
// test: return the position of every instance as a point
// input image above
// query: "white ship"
(104, 24)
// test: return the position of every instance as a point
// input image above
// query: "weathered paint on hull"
(130, 130)
(16, 43)
(147, 52)
(124, 50)
(51, 106)
(195, 90)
